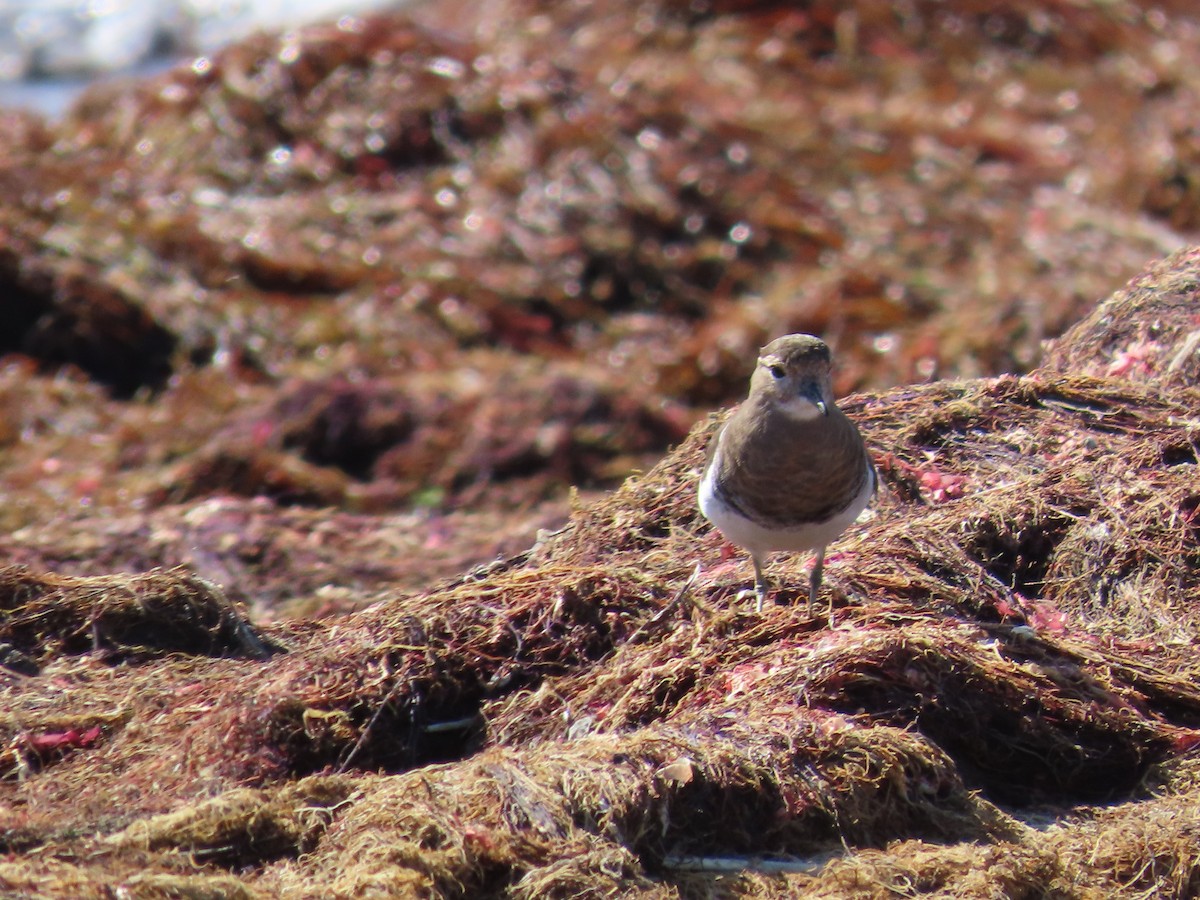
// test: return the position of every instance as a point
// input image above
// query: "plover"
(788, 470)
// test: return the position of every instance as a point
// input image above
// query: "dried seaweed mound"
(45, 616)
(1005, 702)
(1148, 332)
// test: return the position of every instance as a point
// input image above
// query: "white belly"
(759, 540)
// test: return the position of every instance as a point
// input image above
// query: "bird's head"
(794, 375)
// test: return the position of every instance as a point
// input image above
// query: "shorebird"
(788, 470)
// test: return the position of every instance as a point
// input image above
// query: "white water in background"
(51, 49)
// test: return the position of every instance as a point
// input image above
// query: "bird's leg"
(760, 583)
(814, 580)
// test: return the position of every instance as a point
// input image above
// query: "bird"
(788, 471)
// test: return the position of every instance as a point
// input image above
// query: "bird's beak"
(811, 391)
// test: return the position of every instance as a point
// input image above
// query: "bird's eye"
(777, 371)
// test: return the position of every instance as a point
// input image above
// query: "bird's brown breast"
(782, 472)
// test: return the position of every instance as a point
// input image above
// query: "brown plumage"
(788, 471)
